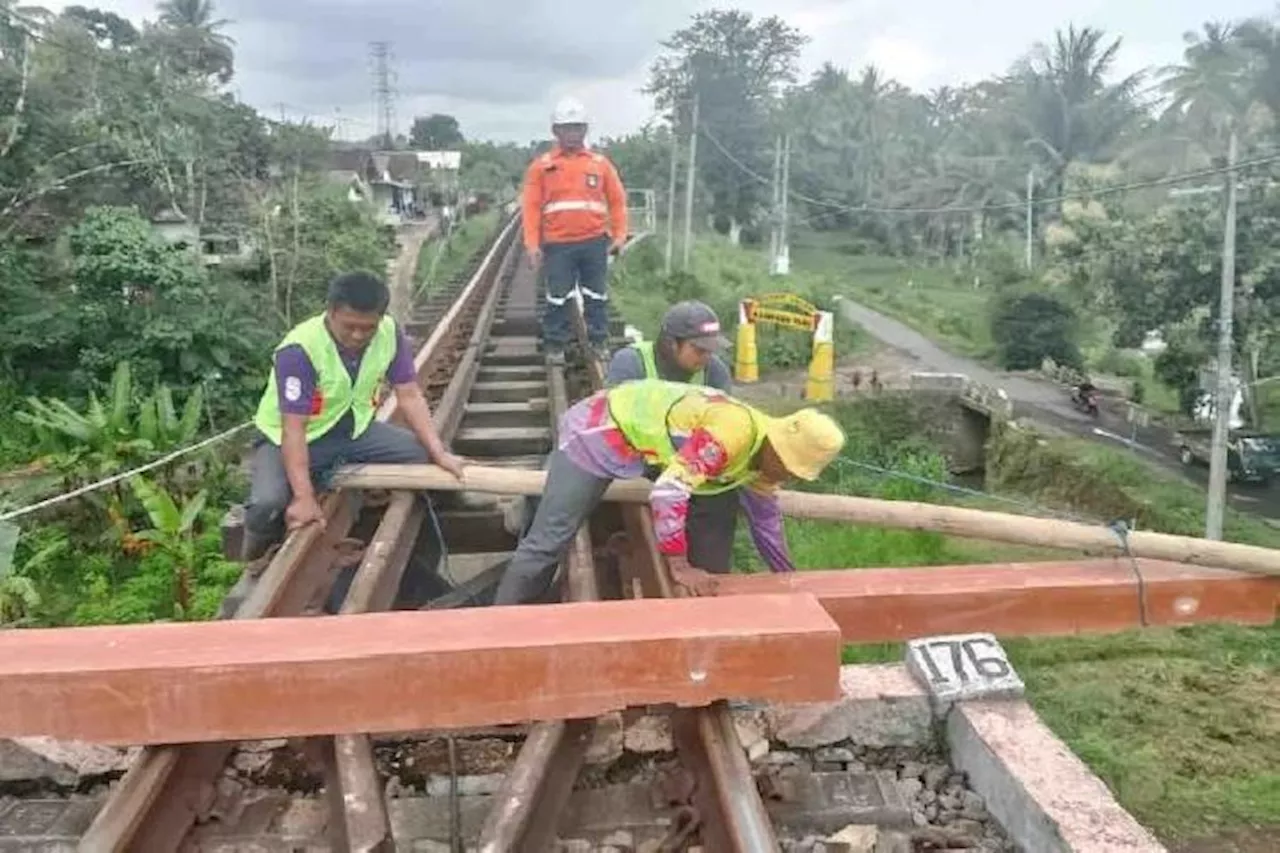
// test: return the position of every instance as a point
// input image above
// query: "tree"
(436, 132)
(1064, 106)
(190, 39)
(737, 68)
(1032, 327)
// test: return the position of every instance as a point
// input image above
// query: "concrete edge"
(1043, 795)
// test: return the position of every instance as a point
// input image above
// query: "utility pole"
(671, 199)
(1215, 510)
(775, 231)
(784, 249)
(690, 181)
(1031, 189)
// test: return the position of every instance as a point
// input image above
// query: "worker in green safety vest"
(689, 340)
(704, 442)
(319, 409)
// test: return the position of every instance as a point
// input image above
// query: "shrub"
(1031, 327)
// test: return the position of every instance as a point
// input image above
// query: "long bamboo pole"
(956, 521)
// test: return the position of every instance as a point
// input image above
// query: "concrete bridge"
(960, 412)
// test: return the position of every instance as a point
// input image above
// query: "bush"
(1128, 365)
(1031, 327)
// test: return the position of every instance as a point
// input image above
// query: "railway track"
(495, 401)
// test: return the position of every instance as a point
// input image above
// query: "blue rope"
(1033, 508)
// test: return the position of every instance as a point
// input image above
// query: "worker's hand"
(453, 464)
(303, 511)
(693, 582)
(534, 256)
(616, 247)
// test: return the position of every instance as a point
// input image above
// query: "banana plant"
(173, 532)
(18, 595)
(104, 438)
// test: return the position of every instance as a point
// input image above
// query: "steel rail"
(167, 789)
(359, 820)
(533, 797)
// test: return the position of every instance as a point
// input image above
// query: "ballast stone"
(880, 706)
(63, 763)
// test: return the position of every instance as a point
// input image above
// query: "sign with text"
(963, 666)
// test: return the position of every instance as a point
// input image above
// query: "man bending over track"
(319, 407)
(686, 351)
(704, 440)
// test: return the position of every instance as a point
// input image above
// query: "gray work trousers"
(270, 493)
(570, 496)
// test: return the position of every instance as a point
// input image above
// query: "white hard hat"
(569, 111)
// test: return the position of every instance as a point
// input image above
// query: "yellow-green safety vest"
(641, 409)
(650, 362)
(335, 394)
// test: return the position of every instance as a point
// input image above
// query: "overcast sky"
(499, 65)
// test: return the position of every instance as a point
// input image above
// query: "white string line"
(116, 478)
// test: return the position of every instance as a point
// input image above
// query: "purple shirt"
(296, 375)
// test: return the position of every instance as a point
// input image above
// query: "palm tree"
(1067, 110)
(1212, 90)
(192, 33)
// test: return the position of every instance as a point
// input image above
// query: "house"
(213, 248)
(441, 161)
(175, 229)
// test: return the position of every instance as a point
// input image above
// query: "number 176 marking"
(964, 652)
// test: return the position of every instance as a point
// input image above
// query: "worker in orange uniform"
(574, 216)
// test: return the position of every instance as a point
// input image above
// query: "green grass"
(441, 261)
(937, 301)
(722, 275)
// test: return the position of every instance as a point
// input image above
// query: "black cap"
(694, 322)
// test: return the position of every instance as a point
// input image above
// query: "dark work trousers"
(584, 265)
(270, 492)
(569, 497)
(713, 520)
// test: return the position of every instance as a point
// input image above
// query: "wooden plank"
(952, 520)
(1051, 598)
(259, 679)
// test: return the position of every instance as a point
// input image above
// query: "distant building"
(441, 161)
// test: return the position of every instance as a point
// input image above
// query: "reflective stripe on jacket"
(571, 197)
(656, 417)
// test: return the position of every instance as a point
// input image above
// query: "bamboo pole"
(955, 521)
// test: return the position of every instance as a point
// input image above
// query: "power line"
(1183, 177)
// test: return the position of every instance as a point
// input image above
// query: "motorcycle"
(1086, 401)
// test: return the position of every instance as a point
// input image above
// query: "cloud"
(499, 65)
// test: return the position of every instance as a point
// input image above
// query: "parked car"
(1252, 457)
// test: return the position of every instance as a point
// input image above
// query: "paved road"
(1047, 402)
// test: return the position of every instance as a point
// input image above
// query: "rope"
(1032, 508)
(116, 478)
(1121, 530)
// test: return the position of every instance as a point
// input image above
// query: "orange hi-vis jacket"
(571, 197)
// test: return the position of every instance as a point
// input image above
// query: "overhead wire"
(1114, 189)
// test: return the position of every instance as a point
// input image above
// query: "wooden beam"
(952, 520)
(1030, 599)
(259, 679)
